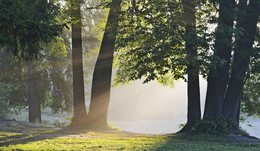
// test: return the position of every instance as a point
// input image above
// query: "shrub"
(58, 123)
(217, 125)
(4, 109)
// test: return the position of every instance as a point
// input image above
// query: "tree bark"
(194, 111)
(101, 83)
(238, 114)
(218, 75)
(242, 53)
(80, 112)
(33, 94)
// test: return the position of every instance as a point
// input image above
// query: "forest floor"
(16, 135)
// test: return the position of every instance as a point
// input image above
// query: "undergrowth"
(217, 126)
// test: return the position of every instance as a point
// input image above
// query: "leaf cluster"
(54, 78)
(250, 102)
(25, 25)
(151, 40)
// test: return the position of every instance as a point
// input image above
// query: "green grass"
(21, 138)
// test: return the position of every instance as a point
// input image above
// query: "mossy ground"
(26, 138)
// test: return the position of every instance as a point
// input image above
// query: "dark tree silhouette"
(101, 83)
(80, 111)
(194, 111)
(219, 73)
(247, 20)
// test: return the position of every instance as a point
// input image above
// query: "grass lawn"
(28, 138)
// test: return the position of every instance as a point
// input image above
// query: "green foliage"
(53, 67)
(4, 109)
(250, 102)
(110, 126)
(151, 41)
(213, 125)
(54, 78)
(60, 124)
(69, 13)
(13, 90)
(181, 125)
(26, 25)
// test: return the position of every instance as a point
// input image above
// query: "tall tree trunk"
(101, 83)
(242, 52)
(194, 111)
(219, 74)
(238, 113)
(33, 94)
(80, 112)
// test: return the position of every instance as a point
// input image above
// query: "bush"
(4, 109)
(217, 125)
(58, 123)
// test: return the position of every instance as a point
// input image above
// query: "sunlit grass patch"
(128, 143)
(23, 129)
(4, 136)
(69, 139)
(110, 126)
(115, 142)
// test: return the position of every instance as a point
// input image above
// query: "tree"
(13, 82)
(89, 41)
(247, 23)
(34, 24)
(155, 46)
(41, 11)
(80, 111)
(219, 70)
(56, 70)
(33, 94)
(101, 83)
(52, 73)
(194, 112)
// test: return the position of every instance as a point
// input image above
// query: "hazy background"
(154, 109)
(144, 108)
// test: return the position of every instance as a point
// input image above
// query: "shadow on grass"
(18, 136)
(204, 143)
